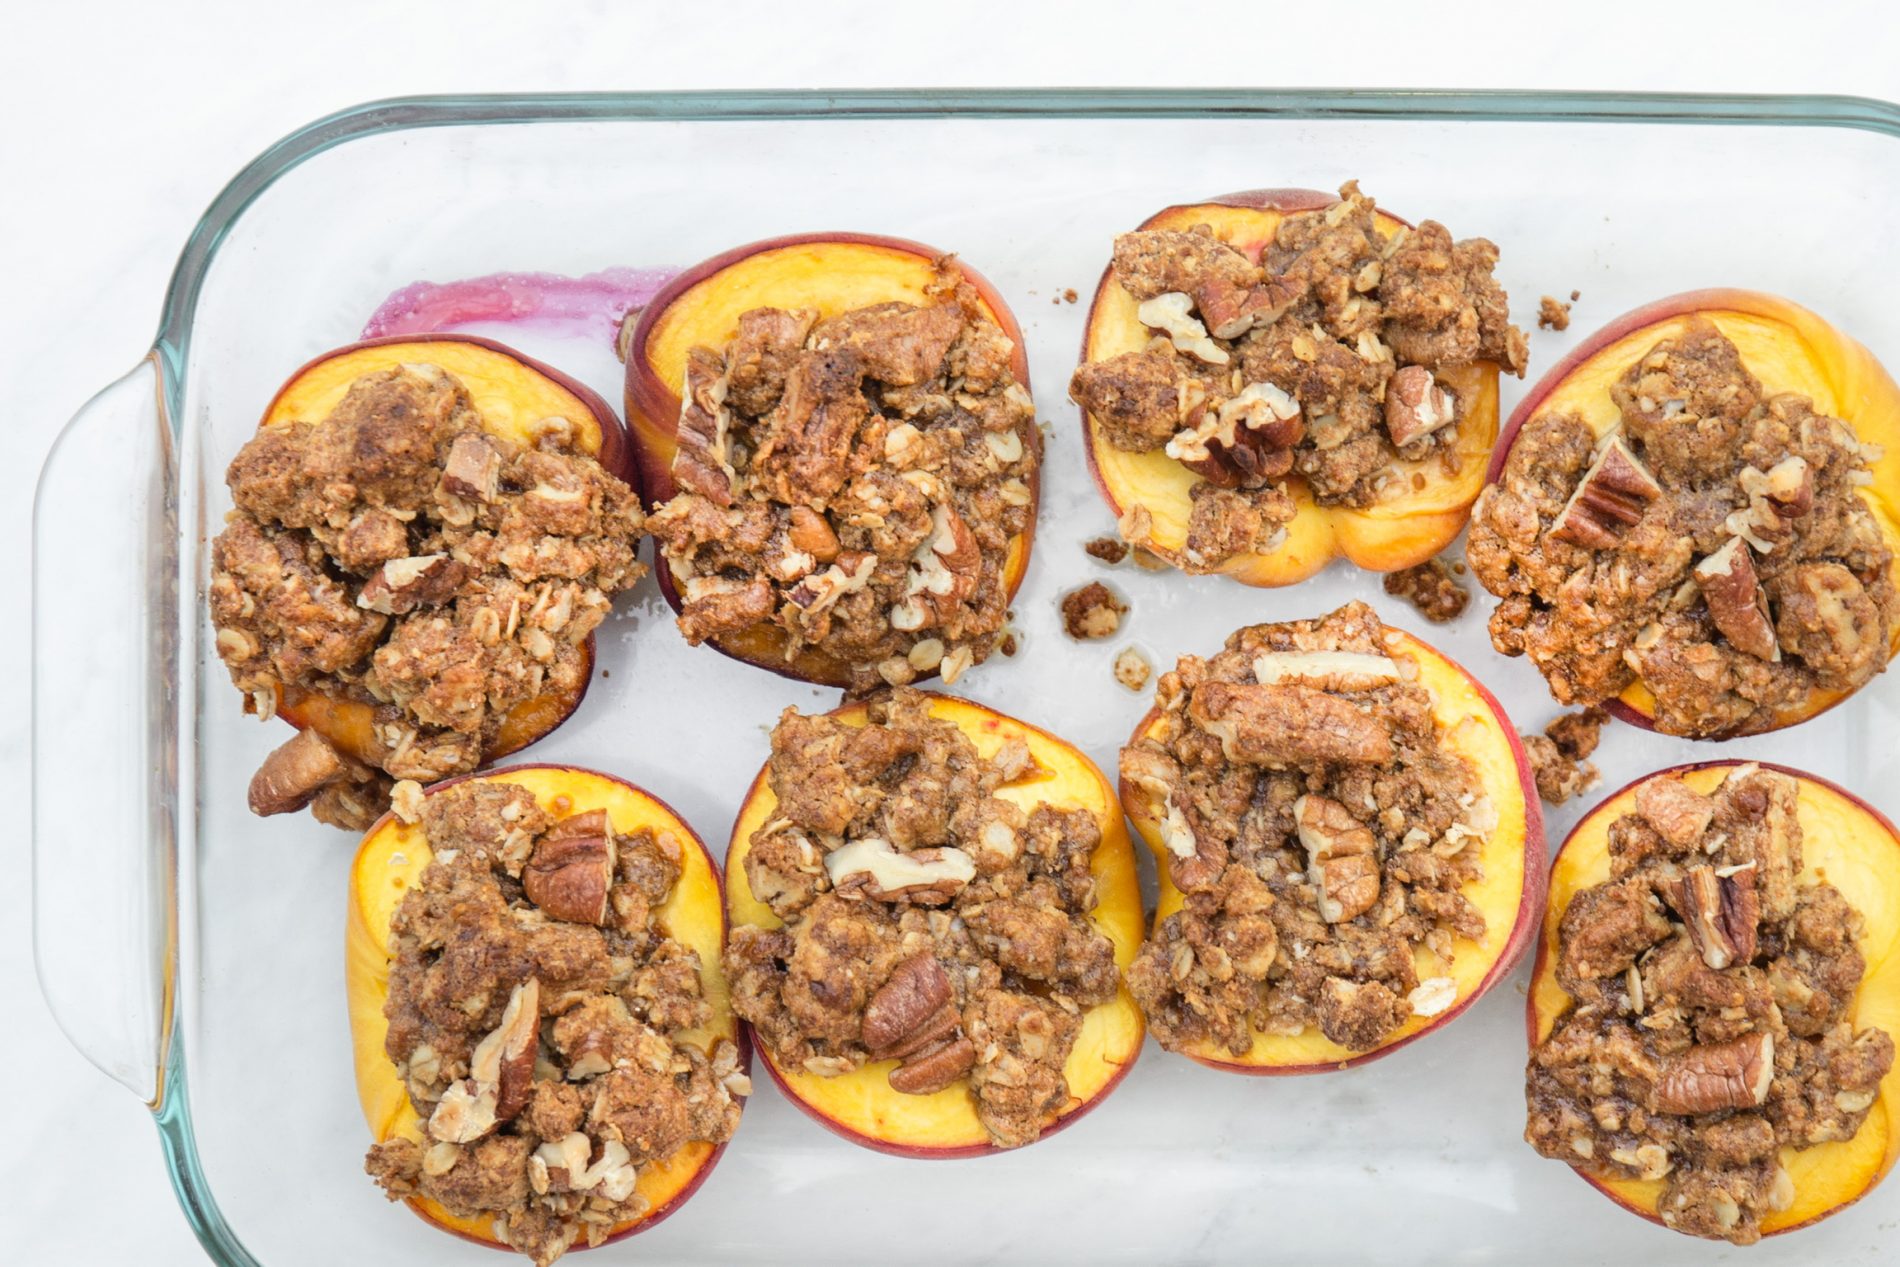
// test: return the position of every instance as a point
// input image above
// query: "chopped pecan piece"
(1230, 310)
(703, 460)
(1736, 602)
(1326, 670)
(1710, 1077)
(1678, 812)
(1245, 442)
(931, 1071)
(504, 1059)
(400, 586)
(813, 535)
(875, 869)
(1172, 314)
(1341, 858)
(1415, 405)
(1289, 725)
(944, 571)
(571, 872)
(473, 468)
(1721, 913)
(1611, 498)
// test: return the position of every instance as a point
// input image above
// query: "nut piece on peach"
(389, 863)
(1845, 843)
(819, 274)
(1150, 491)
(913, 1098)
(1786, 669)
(518, 398)
(1339, 849)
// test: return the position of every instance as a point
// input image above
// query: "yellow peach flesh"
(1399, 533)
(862, 1103)
(1849, 847)
(1512, 856)
(388, 864)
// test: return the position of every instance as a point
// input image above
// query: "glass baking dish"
(216, 992)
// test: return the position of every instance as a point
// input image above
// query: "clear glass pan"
(228, 946)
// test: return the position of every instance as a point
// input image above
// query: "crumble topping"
(854, 482)
(397, 555)
(1713, 547)
(1092, 611)
(1557, 755)
(1318, 361)
(1553, 313)
(1109, 550)
(1433, 588)
(926, 919)
(536, 1014)
(1712, 1018)
(1132, 669)
(1321, 831)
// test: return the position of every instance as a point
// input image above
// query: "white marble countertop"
(121, 121)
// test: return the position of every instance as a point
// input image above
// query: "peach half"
(861, 1106)
(1853, 847)
(1509, 895)
(1398, 533)
(515, 395)
(389, 862)
(830, 273)
(1787, 348)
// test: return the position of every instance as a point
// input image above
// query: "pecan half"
(1612, 497)
(1342, 862)
(420, 580)
(906, 1004)
(473, 467)
(571, 872)
(1415, 405)
(1722, 913)
(931, 1071)
(295, 772)
(1713, 1076)
(1736, 602)
(1230, 310)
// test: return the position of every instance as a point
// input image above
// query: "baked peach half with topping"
(545, 1048)
(1716, 992)
(932, 906)
(425, 533)
(839, 439)
(1276, 378)
(1349, 844)
(1692, 518)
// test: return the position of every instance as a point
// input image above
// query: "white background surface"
(119, 122)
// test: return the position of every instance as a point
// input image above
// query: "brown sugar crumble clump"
(855, 482)
(1132, 669)
(1712, 987)
(1557, 755)
(1432, 588)
(1091, 612)
(538, 1027)
(1317, 361)
(1321, 831)
(1713, 547)
(925, 917)
(397, 555)
(1110, 550)
(1553, 313)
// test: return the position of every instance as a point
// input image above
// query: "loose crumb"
(1132, 668)
(1575, 295)
(1008, 645)
(1092, 612)
(1432, 588)
(1107, 549)
(1557, 755)
(1068, 295)
(1553, 314)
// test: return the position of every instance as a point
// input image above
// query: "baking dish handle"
(105, 542)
